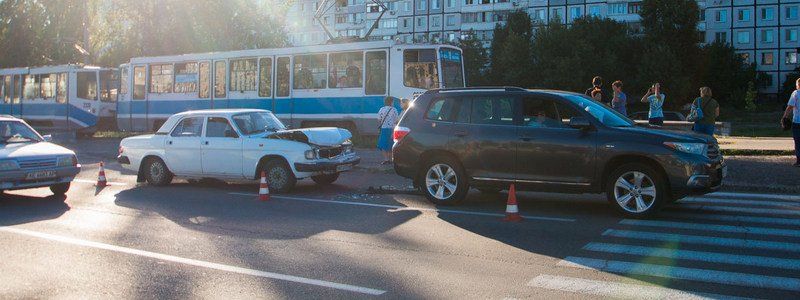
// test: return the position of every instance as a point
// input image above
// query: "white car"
(29, 160)
(238, 144)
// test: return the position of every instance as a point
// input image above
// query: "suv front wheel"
(636, 190)
(443, 181)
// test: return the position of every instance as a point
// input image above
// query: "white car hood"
(17, 150)
(320, 136)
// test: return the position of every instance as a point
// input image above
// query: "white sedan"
(238, 144)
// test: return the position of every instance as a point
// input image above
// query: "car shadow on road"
(19, 209)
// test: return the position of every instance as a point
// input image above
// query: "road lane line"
(703, 240)
(407, 208)
(734, 218)
(701, 200)
(755, 196)
(714, 227)
(716, 208)
(616, 290)
(682, 273)
(194, 262)
(712, 257)
(95, 182)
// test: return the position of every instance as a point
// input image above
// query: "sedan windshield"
(17, 132)
(257, 122)
(602, 113)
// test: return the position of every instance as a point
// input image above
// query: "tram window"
(265, 76)
(108, 88)
(205, 80)
(283, 76)
(139, 85)
(243, 75)
(219, 79)
(61, 88)
(16, 87)
(345, 70)
(30, 87)
(186, 77)
(3, 90)
(310, 71)
(376, 73)
(420, 69)
(123, 81)
(87, 85)
(48, 86)
(161, 78)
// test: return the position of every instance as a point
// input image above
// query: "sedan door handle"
(169, 142)
(205, 143)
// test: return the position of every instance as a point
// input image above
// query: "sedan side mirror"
(580, 123)
(48, 138)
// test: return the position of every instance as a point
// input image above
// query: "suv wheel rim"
(156, 171)
(441, 181)
(635, 192)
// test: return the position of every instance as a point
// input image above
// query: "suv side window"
(441, 110)
(189, 127)
(540, 112)
(493, 110)
(566, 112)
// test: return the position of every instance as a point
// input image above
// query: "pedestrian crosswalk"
(708, 247)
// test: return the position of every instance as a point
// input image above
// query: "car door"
(182, 146)
(221, 148)
(484, 142)
(548, 150)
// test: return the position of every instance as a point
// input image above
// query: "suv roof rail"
(483, 88)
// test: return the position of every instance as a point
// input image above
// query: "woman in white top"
(388, 117)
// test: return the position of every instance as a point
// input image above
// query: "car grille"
(37, 163)
(713, 150)
(330, 152)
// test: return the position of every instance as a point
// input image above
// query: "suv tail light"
(400, 132)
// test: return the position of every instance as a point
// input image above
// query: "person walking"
(792, 108)
(387, 117)
(620, 100)
(709, 108)
(656, 100)
(597, 84)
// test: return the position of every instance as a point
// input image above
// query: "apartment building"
(764, 32)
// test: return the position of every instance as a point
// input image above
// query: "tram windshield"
(452, 72)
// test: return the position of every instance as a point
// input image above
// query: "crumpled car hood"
(320, 136)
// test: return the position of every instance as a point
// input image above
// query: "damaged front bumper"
(334, 165)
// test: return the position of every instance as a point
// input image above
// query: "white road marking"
(95, 182)
(703, 240)
(756, 196)
(734, 218)
(407, 208)
(701, 200)
(681, 273)
(713, 257)
(616, 290)
(716, 208)
(713, 227)
(194, 262)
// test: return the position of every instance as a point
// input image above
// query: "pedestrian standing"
(792, 107)
(404, 103)
(597, 95)
(597, 84)
(709, 108)
(388, 119)
(656, 100)
(620, 100)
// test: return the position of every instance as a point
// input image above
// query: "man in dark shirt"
(597, 83)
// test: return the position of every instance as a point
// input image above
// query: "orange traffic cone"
(512, 212)
(263, 190)
(101, 178)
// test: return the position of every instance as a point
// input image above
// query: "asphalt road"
(216, 240)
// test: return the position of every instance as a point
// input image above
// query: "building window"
(436, 21)
(435, 4)
(469, 2)
(422, 4)
(767, 36)
(161, 79)
(594, 11)
(721, 37)
(743, 15)
(766, 58)
(450, 20)
(702, 15)
(791, 12)
(634, 7)
(722, 16)
(558, 13)
(743, 37)
(618, 8)
(791, 35)
(767, 14)
(791, 57)
(420, 21)
(540, 15)
(574, 13)
(451, 3)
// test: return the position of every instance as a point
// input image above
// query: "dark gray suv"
(544, 140)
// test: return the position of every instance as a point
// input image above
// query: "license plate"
(725, 171)
(40, 175)
(341, 168)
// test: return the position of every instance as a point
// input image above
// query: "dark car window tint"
(492, 110)
(538, 112)
(566, 112)
(463, 108)
(189, 127)
(219, 127)
(441, 110)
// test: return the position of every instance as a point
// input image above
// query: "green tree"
(726, 73)
(475, 59)
(510, 50)
(674, 24)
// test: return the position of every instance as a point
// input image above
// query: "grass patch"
(749, 152)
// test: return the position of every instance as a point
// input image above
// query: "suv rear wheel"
(443, 181)
(636, 190)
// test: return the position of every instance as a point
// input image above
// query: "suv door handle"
(461, 133)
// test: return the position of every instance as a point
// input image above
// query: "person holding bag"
(705, 111)
(792, 108)
(388, 119)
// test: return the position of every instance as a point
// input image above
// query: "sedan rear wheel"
(156, 172)
(444, 181)
(636, 190)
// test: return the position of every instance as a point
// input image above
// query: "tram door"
(282, 105)
(85, 103)
(16, 100)
(219, 96)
